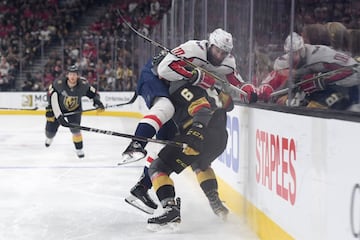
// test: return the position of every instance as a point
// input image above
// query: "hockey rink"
(49, 193)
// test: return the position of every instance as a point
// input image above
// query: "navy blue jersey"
(150, 86)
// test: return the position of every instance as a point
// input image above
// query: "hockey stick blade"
(133, 201)
(124, 135)
(132, 100)
(131, 160)
(19, 109)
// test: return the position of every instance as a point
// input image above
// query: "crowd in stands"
(28, 25)
(104, 51)
(334, 23)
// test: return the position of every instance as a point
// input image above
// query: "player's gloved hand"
(194, 138)
(227, 101)
(99, 105)
(251, 95)
(201, 79)
(62, 121)
(264, 92)
(49, 114)
(312, 83)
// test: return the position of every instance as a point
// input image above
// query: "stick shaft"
(156, 44)
(285, 90)
(132, 100)
(7, 108)
(133, 137)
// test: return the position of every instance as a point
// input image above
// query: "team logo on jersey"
(71, 103)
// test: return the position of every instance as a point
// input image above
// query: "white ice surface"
(48, 193)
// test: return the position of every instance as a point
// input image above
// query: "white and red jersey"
(173, 68)
(322, 59)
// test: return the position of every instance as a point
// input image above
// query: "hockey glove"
(201, 79)
(264, 92)
(194, 138)
(62, 121)
(98, 104)
(50, 117)
(226, 101)
(312, 83)
(251, 95)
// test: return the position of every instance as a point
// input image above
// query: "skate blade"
(223, 216)
(171, 227)
(133, 201)
(127, 158)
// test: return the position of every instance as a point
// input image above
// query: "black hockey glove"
(194, 138)
(62, 121)
(98, 104)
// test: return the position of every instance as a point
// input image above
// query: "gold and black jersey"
(69, 98)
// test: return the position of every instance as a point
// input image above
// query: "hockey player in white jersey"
(323, 74)
(212, 55)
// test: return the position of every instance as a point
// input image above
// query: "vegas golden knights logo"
(26, 100)
(71, 103)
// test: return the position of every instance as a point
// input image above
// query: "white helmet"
(221, 39)
(296, 44)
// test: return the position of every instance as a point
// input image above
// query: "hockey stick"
(133, 137)
(326, 74)
(20, 109)
(132, 100)
(225, 84)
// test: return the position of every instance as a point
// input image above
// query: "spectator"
(339, 36)
(316, 34)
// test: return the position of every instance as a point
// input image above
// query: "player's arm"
(330, 74)
(93, 94)
(197, 109)
(274, 80)
(55, 106)
(236, 80)
(174, 68)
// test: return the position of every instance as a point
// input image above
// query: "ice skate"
(140, 199)
(217, 205)
(80, 153)
(169, 221)
(134, 152)
(48, 142)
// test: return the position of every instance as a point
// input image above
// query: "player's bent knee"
(163, 108)
(157, 166)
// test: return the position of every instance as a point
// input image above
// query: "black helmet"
(73, 68)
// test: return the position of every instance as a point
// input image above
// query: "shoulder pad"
(229, 61)
(83, 80)
(192, 49)
(281, 62)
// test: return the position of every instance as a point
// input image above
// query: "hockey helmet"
(221, 39)
(294, 44)
(73, 68)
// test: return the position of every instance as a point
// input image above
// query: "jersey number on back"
(187, 94)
